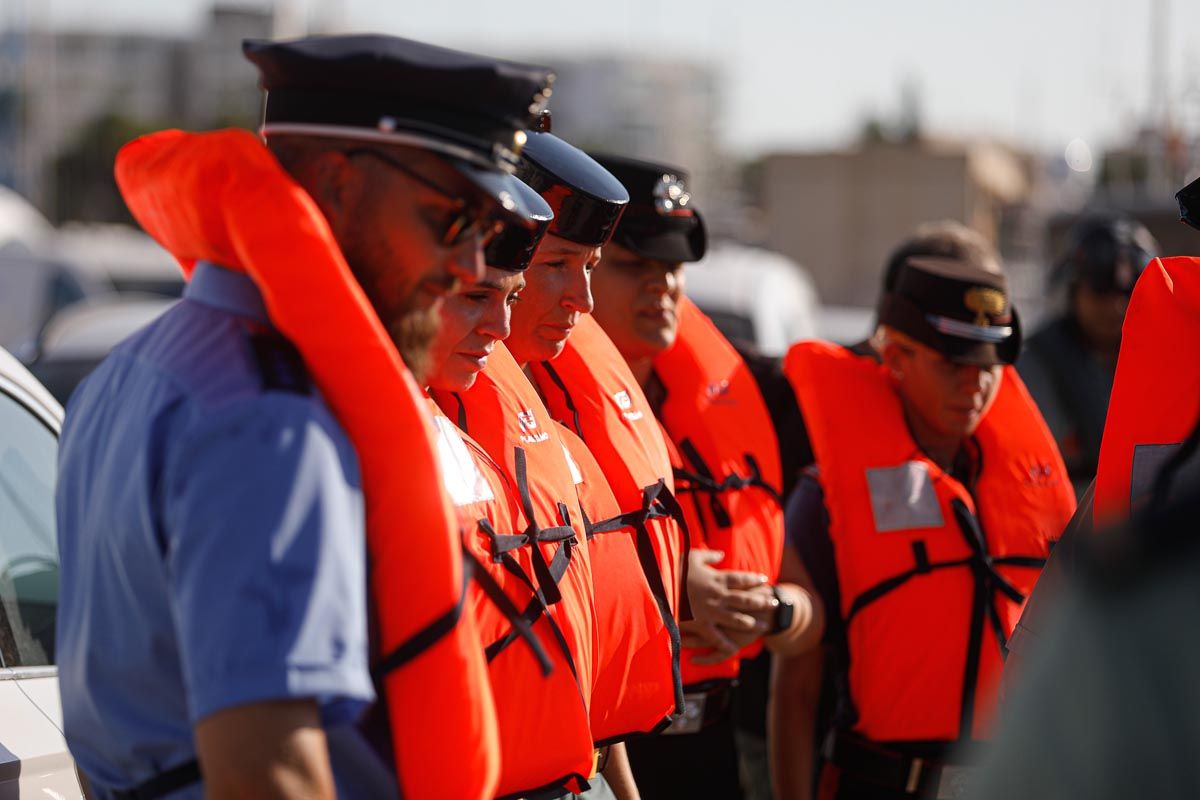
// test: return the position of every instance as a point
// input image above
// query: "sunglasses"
(465, 221)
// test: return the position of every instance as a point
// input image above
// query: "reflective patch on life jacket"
(1148, 461)
(576, 474)
(460, 475)
(531, 433)
(903, 498)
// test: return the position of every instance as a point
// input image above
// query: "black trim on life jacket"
(987, 582)
(562, 386)
(521, 627)
(701, 479)
(657, 503)
(425, 638)
(164, 783)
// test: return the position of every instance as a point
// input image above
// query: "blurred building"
(655, 109)
(54, 85)
(840, 213)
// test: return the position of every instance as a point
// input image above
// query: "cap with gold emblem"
(959, 309)
(470, 110)
(662, 221)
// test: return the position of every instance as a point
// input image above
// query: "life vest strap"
(988, 582)
(701, 479)
(564, 533)
(536, 607)
(521, 626)
(577, 426)
(425, 638)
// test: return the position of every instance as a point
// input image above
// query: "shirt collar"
(222, 288)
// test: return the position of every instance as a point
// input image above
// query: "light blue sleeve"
(263, 518)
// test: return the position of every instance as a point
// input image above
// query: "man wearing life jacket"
(936, 494)
(724, 449)
(581, 577)
(213, 636)
(638, 541)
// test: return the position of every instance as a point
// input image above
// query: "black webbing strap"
(987, 582)
(562, 387)
(564, 533)
(701, 479)
(657, 503)
(425, 638)
(164, 783)
(536, 607)
(521, 626)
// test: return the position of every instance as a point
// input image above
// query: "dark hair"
(942, 239)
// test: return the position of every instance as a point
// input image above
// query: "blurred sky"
(805, 72)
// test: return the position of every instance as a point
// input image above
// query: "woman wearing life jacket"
(536, 701)
(259, 662)
(635, 523)
(727, 476)
(932, 506)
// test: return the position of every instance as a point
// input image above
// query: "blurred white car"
(80, 336)
(34, 761)
(754, 295)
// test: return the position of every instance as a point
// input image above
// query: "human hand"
(739, 602)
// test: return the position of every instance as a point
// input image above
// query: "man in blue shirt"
(213, 610)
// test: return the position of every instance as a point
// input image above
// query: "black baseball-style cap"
(514, 246)
(470, 110)
(661, 223)
(586, 199)
(1106, 253)
(959, 309)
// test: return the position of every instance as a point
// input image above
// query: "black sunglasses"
(465, 221)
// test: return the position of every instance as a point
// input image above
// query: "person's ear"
(892, 357)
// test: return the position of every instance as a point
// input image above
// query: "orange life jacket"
(1155, 400)
(222, 197)
(537, 698)
(727, 474)
(932, 577)
(504, 415)
(635, 679)
(590, 389)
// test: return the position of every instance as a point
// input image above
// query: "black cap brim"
(504, 189)
(901, 314)
(671, 243)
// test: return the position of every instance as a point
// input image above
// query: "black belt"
(702, 708)
(862, 761)
(163, 784)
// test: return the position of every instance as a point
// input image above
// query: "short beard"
(413, 333)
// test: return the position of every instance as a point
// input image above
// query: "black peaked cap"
(587, 200)
(662, 223)
(471, 110)
(959, 309)
(514, 246)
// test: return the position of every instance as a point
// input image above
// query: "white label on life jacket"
(460, 475)
(576, 475)
(903, 498)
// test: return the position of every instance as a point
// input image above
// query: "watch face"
(784, 616)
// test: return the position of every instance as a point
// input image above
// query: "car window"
(28, 548)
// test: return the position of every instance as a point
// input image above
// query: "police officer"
(938, 488)
(213, 629)
(1069, 364)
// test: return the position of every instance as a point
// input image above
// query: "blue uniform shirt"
(211, 532)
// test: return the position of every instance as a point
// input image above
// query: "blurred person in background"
(1069, 364)
(935, 495)
(726, 459)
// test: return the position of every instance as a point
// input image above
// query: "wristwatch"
(785, 612)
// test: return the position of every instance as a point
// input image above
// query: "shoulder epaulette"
(280, 365)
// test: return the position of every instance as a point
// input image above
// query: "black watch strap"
(785, 613)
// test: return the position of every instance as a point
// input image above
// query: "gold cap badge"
(985, 302)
